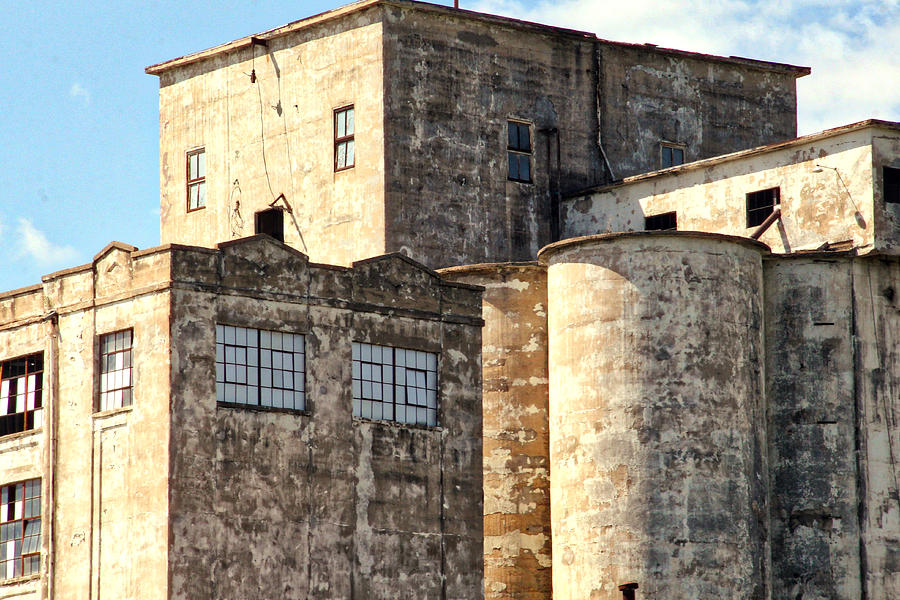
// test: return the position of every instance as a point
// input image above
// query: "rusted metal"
(776, 214)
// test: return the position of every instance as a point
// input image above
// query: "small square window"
(20, 529)
(891, 185)
(344, 145)
(761, 204)
(21, 394)
(518, 151)
(271, 222)
(661, 222)
(196, 179)
(670, 155)
(115, 370)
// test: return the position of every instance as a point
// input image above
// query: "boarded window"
(670, 156)
(891, 185)
(761, 204)
(271, 222)
(395, 384)
(661, 222)
(21, 400)
(257, 367)
(196, 179)
(518, 151)
(115, 370)
(20, 529)
(344, 144)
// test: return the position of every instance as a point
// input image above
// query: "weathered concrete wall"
(517, 545)
(812, 428)
(885, 152)
(452, 81)
(276, 136)
(817, 207)
(658, 459)
(315, 503)
(709, 105)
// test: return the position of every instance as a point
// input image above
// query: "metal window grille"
(344, 145)
(21, 383)
(260, 368)
(115, 370)
(661, 222)
(761, 204)
(670, 156)
(518, 151)
(196, 179)
(20, 529)
(395, 384)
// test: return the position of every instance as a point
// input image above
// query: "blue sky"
(79, 117)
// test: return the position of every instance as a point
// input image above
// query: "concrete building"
(704, 412)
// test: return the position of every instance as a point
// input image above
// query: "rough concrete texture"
(707, 106)
(658, 460)
(269, 504)
(275, 136)
(828, 193)
(433, 89)
(517, 545)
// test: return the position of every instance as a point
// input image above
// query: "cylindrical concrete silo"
(657, 416)
(517, 542)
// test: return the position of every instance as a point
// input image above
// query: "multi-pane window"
(891, 184)
(670, 156)
(761, 204)
(20, 529)
(260, 368)
(196, 179)
(395, 384)
(518, 151)
(115, 370)
(21, 404)
(344, 148)
(661, 222)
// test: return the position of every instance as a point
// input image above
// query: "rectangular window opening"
(258, 367)
(670, 155)
(20, 529)
(196, 179)
(271, 222)
(761, 204)
(344, 145)
(395, 384)
(891, 185)
(661, 222)
(518, 151)
(21, 394)
(115, 370)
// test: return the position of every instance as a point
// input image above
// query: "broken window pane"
(21, 388)
(115, 370)
(20, 528)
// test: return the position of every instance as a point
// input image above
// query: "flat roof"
(733, 156)
(355, 7)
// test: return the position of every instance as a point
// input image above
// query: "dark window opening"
(670, 156)
(344, 144)
(761, 204)
(196, 179)
(518, 151)
(891, 185)
(20, 529)
(21, 404)
(271, 222)
(662, 222)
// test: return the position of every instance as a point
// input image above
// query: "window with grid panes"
(196, 179)
(257, 367)
(20, 529)
(518, 151)
(21, 394)
(115, 370)
(395, 384)
(344, 145)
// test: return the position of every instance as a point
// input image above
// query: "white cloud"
(34, 245)
(78, 91)
(851, 45)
